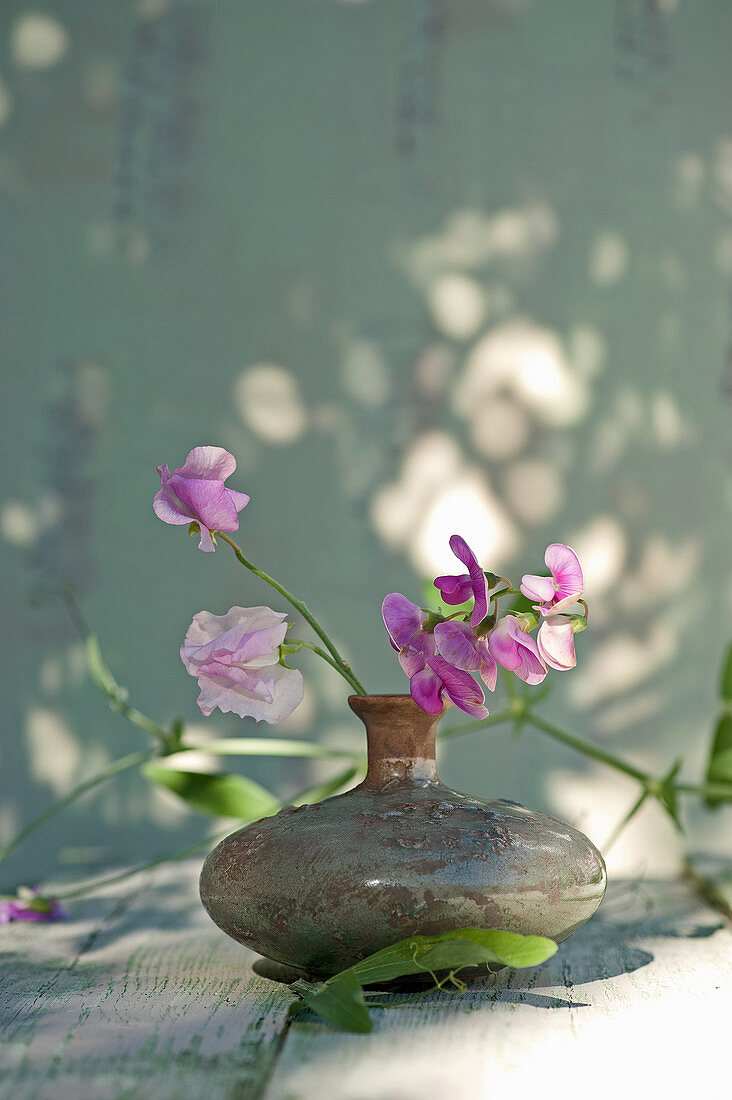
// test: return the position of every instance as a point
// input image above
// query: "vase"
(319, 887)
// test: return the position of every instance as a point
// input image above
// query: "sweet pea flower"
(565, 585)
(431, 677)
(196, 493)
(457, 589)
(514, 649)
(30, 905)
(235, 658)
(458, 644)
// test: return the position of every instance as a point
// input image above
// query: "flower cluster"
(239, 658)
(440, 652)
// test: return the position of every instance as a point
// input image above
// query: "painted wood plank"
(141, 996)
(156, 1002)
(641, 998)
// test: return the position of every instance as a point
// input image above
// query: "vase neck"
(400, 737)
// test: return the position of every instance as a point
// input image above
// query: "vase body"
(320, 887)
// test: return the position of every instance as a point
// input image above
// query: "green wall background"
(409, 261)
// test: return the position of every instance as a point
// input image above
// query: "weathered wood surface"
(139, 995)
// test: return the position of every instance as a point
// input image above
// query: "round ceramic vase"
(320, 887)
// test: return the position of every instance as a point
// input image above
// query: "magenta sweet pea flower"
(458, 644)
(33, 907)
(566, 583)
(455, 590)
(235, 658)
(196, 493)
(431, 677)
(516, 650)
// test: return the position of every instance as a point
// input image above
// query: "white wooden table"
(139, 995)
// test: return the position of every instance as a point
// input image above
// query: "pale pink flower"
(235, 658)
(196, 493)
(555, 642)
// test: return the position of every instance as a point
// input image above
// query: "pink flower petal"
(566, 570)
(538, 588)
(209, 464)
(555, 642)
(426, 689)
(478, 581)
(502, 645)
(209, 502)
(456, 643)
(168, 511)
(487, 667)
(402, 618)
(455, 590)
(460, 687)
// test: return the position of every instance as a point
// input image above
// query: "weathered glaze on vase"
(320, 887)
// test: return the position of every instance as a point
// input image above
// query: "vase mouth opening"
(400, 704)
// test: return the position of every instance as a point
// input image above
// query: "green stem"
(710, 790)
(321, 653)
(121, 765)
(342, 666)
(586, 748)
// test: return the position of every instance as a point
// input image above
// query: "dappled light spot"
(50, 676)
(602, 549)
(625, 661)
(436, 495)
(53, 750)
(594, 800)
(101, 83)
(722, 174)
(93, 392)
(19, 523)
(365, 374)
(627, 713)
(458, 306)
(534, 489)
(471, 240)
(586, 350)
(664, 568)
(6, 102)
(608, 259)
(470, 509)
(268, 400)
(153, 9)
(668, 424)
(38, 41)
(528, 361)
(9, 823)
(499, 428)
(689, 176)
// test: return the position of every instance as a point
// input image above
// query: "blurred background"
(423, 267)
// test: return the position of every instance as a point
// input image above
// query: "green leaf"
(100, 673)
(667, 795)
(725, 688)
(461, 947)
(218, 795)
(340, 1002)
(719, 769)
(340, 999)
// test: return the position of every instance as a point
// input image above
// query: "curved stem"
(586, 748)
(343, 666)
(348, 676)
(121, 765)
